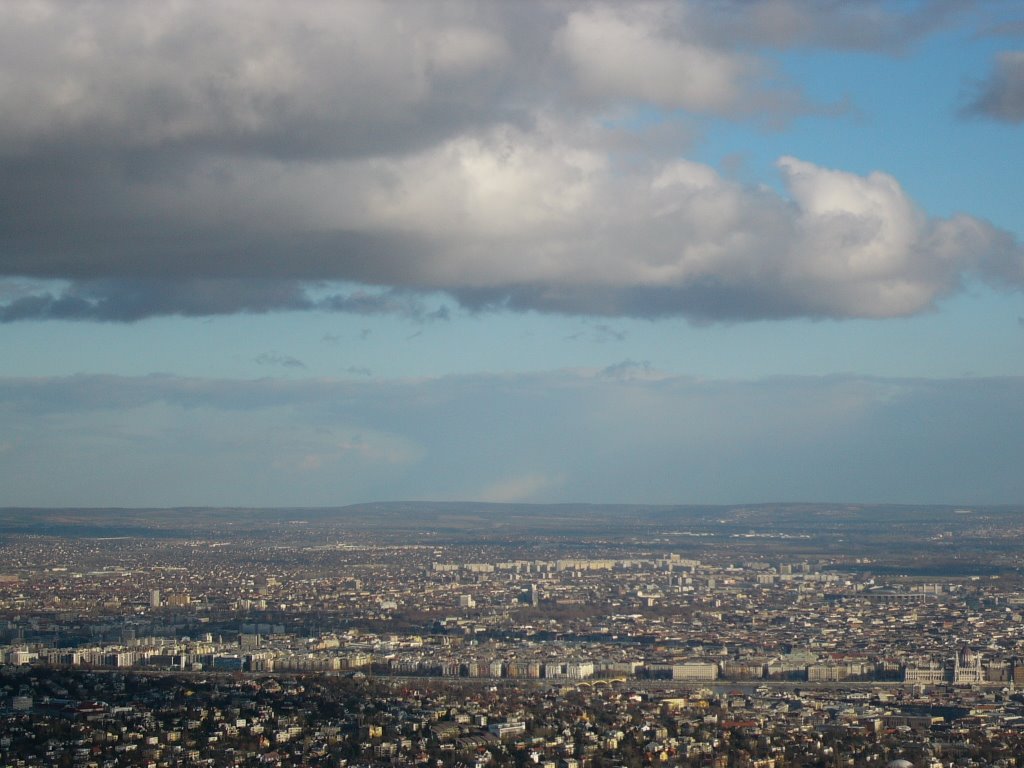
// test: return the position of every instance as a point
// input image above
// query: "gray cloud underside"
(1001, 95)
(623, 434)
(180, 162)
(113, 300)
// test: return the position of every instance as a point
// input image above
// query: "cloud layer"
(208, 159)
(556, 436)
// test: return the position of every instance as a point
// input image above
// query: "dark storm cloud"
(200, 159)
(1001, 95)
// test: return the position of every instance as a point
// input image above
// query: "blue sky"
(668, 252)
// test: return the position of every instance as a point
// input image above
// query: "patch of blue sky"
(903, 115)
(976, 333)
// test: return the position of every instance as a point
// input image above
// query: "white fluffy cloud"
(309, 78)
(200, 159)
(535, 218)
(629, 53)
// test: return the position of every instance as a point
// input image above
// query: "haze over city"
(255, 253)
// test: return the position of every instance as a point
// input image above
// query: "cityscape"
(467, 634)
(511, 384)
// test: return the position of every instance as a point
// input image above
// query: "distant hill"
(478, 518)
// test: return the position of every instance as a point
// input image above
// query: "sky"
(318, 253)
